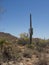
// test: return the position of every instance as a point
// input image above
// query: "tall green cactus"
(31, 30)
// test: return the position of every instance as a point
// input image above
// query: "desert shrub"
(41, 62)
(21, 42)
(42, 59)
(27, 53)
(40, 45)
(31, 46)
(7, 53)
(15, 52)
(17, 56)
(39, 49)
(1, 42)
(23, 39)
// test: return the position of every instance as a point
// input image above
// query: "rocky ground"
(14, 52)
(28, 57)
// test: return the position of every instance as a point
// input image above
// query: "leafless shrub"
(27, 53)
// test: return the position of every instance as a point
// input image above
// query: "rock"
(5, 63)
(10, 63)
(21, 63)
(29, 63)
(27, 59)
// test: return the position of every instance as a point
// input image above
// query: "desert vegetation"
(18, 50)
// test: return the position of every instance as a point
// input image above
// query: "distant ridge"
(7, 36)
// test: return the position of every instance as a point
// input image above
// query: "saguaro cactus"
(31, 30)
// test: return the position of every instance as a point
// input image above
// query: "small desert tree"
(24, 38)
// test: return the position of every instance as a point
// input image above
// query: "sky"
(16, 17)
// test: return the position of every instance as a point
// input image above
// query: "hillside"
(7, 37)
(14, 53)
